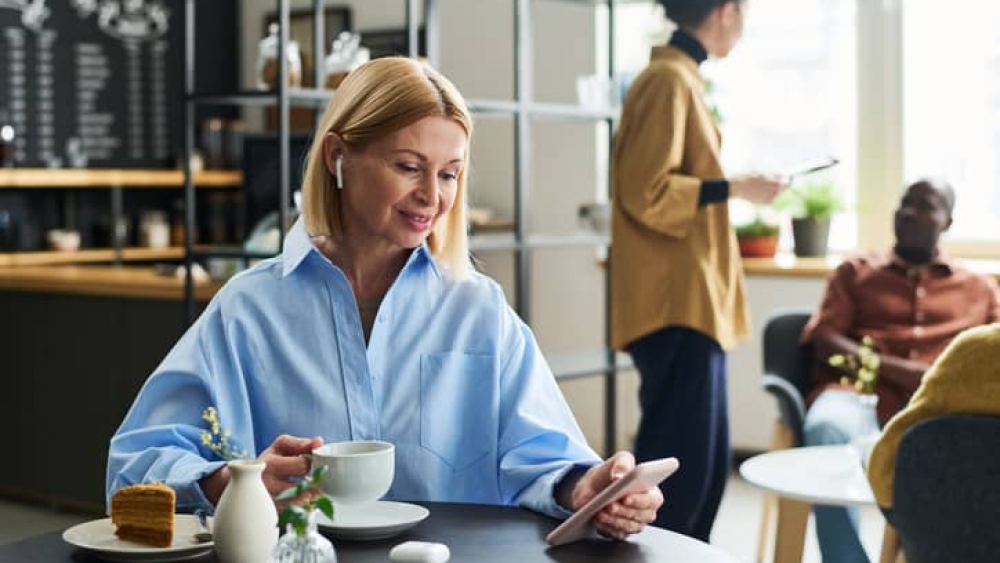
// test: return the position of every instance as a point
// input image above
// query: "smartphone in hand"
(641, 478)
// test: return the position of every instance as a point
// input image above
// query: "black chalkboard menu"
(93, 83)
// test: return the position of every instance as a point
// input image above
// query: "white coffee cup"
(357, 471)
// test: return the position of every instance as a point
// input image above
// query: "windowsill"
(785, 264)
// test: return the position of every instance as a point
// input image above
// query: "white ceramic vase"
(246, 522)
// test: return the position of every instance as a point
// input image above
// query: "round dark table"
(473, 533)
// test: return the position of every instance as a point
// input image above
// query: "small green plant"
(816, 199)
(216, 438)
(863, 366)
(297, 515)
(756, 228)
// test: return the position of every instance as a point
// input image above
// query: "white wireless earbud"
(339, 166)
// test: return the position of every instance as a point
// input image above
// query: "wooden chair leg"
(782, 438)
(766, 519)
(892, 550)
(790, 537)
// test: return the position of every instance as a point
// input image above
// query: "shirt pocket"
(458, 407)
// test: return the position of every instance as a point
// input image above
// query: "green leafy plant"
(863, 367)
(297, 515)
(216, 438)
(817, 199)
(756, 228)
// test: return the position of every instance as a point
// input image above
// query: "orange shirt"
(673, 262)
(910, 313)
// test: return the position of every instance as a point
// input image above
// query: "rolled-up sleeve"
(993, 294)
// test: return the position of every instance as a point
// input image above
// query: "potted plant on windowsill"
(757, 239)
(811, 205)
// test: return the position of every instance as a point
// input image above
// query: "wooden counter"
(109, 281)
(88, 255)
(42, 178)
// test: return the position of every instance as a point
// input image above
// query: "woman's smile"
(418, 222)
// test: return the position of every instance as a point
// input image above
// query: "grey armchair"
(787, 373)
(946, 493)
(787, 376)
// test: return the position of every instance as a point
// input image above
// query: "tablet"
(809, 167)
(641, 478)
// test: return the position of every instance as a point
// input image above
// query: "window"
(786, 94)
(896, 89)
(951, 106)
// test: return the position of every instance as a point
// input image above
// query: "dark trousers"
(682, 395)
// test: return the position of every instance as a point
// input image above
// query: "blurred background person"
(677, 286)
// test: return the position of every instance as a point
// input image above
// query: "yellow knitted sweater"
(965, 379)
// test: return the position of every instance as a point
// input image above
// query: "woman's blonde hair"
(375, 100)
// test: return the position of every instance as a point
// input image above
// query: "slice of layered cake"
(144, 514)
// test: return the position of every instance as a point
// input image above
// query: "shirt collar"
(689, 44)
(940, 262)
(298, 245)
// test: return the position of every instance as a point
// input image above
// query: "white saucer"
(99, 536)
(372, 520)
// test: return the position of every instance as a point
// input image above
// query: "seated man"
(911, 301)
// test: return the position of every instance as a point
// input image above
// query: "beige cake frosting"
(144, 514)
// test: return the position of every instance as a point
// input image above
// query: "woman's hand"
(627, 515)
(757, 188)
(283, 461)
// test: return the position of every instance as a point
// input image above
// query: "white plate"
(99, 536)
(373, 520)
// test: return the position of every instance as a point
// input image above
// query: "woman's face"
(731, 19)
(397, 188)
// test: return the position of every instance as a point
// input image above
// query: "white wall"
(753, 411)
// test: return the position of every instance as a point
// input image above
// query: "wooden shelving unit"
(43, 178)
(88, 256)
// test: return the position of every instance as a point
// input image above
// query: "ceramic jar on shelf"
(267, 61)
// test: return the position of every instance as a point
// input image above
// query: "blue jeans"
(835, 418)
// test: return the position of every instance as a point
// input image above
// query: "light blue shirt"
(451, 376)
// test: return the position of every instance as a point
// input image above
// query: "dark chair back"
(788, 367)
(946, 492)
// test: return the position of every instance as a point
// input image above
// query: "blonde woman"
(371, 324)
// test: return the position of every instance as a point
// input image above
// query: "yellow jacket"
(965, 379)
(673, 262)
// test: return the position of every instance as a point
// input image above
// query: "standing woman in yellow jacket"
(677, 283)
